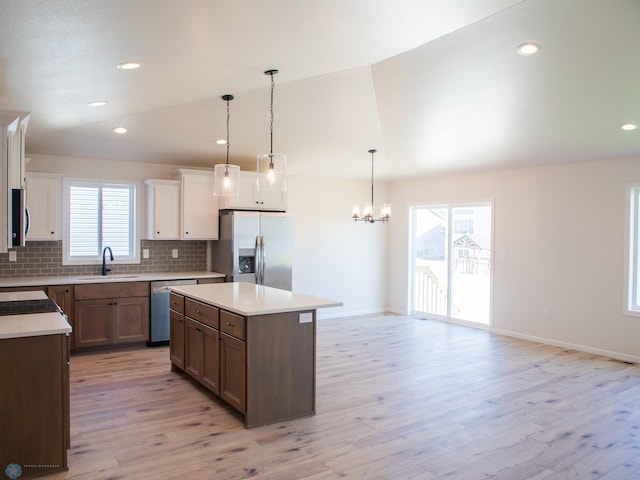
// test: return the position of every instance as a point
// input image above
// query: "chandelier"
(367, 211)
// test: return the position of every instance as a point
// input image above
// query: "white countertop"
(30, 324)
(248, 299)
(33, 325)
(20, 296)
(132, 277)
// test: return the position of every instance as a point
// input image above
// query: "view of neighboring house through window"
(452, 261)
(99, 215)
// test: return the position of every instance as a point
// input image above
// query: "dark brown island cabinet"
(262, 364)
(34, 404)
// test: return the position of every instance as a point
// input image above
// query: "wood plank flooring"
(397, 398)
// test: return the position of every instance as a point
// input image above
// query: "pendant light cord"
(227, 98)
(271, 112)
(271, 73)
(228, 117)
(372, 152)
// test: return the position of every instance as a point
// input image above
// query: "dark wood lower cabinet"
(232, 372)
(63, 296)
(202, 354)
(176, 333)
(34, 405)
(263, 365)
(211, 359)
(110, 314)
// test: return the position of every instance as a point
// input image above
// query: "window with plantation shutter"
(99, 215)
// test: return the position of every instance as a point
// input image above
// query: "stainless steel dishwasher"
(159, 327)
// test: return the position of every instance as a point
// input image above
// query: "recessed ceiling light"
(99, 103)
(222, 141)
(528, 48)
(128, 65)
(629, 126)
(119, 129)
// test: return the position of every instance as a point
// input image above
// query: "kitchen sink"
(106, 277)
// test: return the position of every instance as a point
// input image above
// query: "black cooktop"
(18, 307)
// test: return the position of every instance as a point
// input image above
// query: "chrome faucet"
(104, 262)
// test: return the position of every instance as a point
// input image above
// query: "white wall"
(562, 230)
(333, 257)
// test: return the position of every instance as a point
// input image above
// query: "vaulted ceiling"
(435, 85)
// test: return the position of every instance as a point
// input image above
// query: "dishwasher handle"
(163, 289)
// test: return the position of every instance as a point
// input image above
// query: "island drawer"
(202, 312)
(232, 324)
(176, 302)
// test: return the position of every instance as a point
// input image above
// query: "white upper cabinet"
(44, 203)
(199, 219)
(250, 198)
(9, 142)
(163, 209)
(17, 174)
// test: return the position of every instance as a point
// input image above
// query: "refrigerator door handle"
(257, 260)
(262, 260)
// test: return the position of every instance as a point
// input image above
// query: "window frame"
(134, 257)
(631, 305)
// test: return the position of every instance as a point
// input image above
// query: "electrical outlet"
(145, 253)
(546, 313)
(13, 256)
(174, 253)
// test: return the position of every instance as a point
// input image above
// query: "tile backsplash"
(45, 259)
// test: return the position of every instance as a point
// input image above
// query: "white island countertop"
(248, 299)
(30, 324)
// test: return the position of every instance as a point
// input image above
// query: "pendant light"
(367, 211)
(226, 178)
(271, 166)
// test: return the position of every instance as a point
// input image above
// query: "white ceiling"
(435, 85)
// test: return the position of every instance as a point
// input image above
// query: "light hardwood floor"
(397, 398)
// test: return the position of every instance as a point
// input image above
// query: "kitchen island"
(34, 407)
(253, 346)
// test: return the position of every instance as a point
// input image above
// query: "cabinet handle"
(230, 324)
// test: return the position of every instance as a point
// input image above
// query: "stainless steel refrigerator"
(254, 247)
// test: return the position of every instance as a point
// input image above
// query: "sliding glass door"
(452, 261)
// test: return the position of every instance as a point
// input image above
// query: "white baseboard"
(547, 341)
(320, 314)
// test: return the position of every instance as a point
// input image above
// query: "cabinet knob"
(52, 233)
(198, 312)
(230, 324)
(157, 233)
